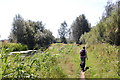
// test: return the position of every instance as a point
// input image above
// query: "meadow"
(62, 61)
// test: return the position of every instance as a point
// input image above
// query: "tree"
(31, 33)
(107, 30)
(18, 30)
(44, 39)
(63, 32)
(79, 27)
(40, 26)
(108, 8)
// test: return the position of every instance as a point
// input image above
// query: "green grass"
(103, 61)
(63, 61)
(14, 46)
(40, 65)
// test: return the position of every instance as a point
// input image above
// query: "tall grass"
(62, 61)
(40, 65)
(103, 61)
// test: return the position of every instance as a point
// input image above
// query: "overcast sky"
(50, 12)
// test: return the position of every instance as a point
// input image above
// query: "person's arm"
(86, 55)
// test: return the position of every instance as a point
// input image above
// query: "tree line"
(31, 33)
(34, 34)
(108, 28)
(106, 31)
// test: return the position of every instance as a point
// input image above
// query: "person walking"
(83, 56)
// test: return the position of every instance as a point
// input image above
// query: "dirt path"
(82, 75)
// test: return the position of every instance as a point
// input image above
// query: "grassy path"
(63, 61)
(101, 61)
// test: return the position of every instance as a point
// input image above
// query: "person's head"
(83, 47)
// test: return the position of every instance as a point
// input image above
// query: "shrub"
(15, 46)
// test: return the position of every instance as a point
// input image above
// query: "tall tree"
(108, 8)
(30, 33)
(18, 30)
(79, 27)
(107, 30)
(63, 32)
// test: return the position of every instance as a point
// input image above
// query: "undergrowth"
(62, 61)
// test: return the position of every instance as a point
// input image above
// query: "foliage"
(103, 61)
(79, 27)
(18, 30)
(63, 32)
(62, 61)
(44, 39)
(40, 65)
(14, 46)
(108, 9)
(107, 30)
(30, 33)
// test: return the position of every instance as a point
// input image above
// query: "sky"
(51, 12)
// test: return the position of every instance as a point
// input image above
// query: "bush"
(40, 65)
(107, 30)
(15, 46)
